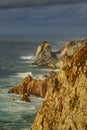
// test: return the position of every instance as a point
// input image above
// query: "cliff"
(59, 59)
(32, 86)
(65, 103)
(44, 55)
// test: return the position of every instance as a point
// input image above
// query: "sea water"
(16, 59)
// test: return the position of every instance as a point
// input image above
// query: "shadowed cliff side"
(65, 104)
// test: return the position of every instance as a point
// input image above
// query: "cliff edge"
(65, 103)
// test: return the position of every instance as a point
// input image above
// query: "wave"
(25, 62)
(23, 74)
(49, 70)
(27, 57)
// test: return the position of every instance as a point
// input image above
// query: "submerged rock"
(25, 98)
(65, 104)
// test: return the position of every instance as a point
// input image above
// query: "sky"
(24, 18)
(29, 3)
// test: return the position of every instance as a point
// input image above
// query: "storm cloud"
(30, 3)
(24, 17)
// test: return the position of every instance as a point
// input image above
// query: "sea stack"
(44, 55)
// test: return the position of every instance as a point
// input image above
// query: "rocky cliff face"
(45, 57)
(32, 86)
(65, 104)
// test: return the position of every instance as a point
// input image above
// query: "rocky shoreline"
(65, 92)
(45, 57)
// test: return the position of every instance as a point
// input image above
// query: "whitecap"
(27, 61)
(48, 70)
(31, 57)
(23, 75)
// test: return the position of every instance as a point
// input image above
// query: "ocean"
(16, 57)
(21, 30)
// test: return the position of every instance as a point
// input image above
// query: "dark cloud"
(30, 3)
(42, 14)
(46, 19)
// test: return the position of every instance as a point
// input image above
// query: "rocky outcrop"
(25, 98)
(39, 87)
(59, 59)
(71, 47)
(33, 86)
(67, 52)
(65, 104)
(44, 55)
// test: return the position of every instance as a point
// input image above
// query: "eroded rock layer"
(65, 104)
(59, 59)
(32, 86)
(44, 55)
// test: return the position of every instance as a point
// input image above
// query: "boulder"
(65, 103)
(25, 98)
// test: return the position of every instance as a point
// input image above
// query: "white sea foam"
(13, 110)
(14, 105)
(27, 57)
(49, 70)
(23, 75)
(42, 72)
(27, 61)
(38, 76)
